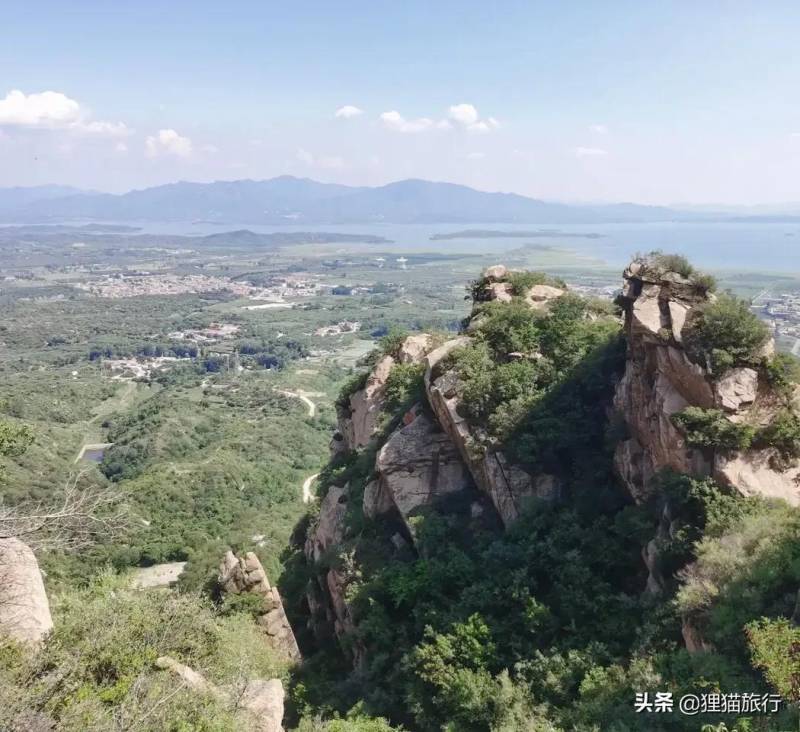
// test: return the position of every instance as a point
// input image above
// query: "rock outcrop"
(357, 423)
(24, 608)
(660, 380)
(259, 705)
(246, 574)
(418, 465)
(507, 485)
(358, 420)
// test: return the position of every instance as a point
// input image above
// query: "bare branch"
(79, 518)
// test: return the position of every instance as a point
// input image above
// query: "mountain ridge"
(288, 200)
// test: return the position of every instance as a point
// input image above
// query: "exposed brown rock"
(417, 465)
(540, 296)
(414, 348)
(737, 388)
(358, 424)
(245, 574)
(507, 485)
(260, 704)
(24, 608)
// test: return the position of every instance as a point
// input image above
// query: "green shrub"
(522, 281)
(672, 263)
(390, 344)
(104, 647)
(725, 333)
(703, 282)
(353, 384)
(782, 433)
(783, 373)
(775, 648)
(710, 428)
(404, 385)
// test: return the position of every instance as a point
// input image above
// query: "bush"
(353, 384)
(710, 428)
(390, 344)
(672, 263)
(522, 281)
(724, 334)
(783, 373)
(404, 386)
(775, 647)
(104, 646)
(782, 433)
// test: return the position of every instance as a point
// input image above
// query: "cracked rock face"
(24, 608)
(661, 380)
(507, 485)
(358, 425)
(246, 574)
(417, 465)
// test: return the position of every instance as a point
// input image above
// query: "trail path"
(304, 397)
(307, 495)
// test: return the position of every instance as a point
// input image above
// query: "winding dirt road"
(304, 397)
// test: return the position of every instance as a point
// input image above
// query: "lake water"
(763, 247)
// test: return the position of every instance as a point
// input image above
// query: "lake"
(763, 247)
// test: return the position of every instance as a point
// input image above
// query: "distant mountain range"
(299, 201)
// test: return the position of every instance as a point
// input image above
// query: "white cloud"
(348, 112)
(121, 147)
(476, 156)
(395, 121)
(598, 129)
(464, 114)
(467, 116)
(168, 142)
(53, 111)
(590, 152)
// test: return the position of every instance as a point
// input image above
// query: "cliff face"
(660, 380)
(436, 455)
(507, 485)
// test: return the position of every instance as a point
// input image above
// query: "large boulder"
(737, 388)
(24, 608)
(417, 465)
(414, 348)
(238, 575)
(358, 422)
(540, 296)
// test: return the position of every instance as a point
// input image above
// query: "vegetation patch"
(710, 428)
(724, 334)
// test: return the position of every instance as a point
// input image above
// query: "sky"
(650, 102)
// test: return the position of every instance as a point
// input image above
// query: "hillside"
(297, 201)
(526, 525)
(522, 526)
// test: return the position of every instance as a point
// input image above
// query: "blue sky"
(649, 102)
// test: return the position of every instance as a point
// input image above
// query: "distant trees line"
(263, 352)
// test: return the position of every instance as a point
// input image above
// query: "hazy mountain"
(303, 201)
(15, 199)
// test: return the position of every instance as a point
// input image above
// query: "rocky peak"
(358, 420)
(661, 380)
(245, 574)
